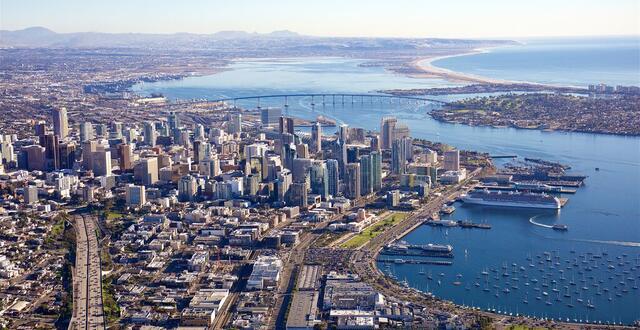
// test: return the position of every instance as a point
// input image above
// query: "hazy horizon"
(404, 19)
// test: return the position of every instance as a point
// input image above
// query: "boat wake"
(532, 220)
(620, 243)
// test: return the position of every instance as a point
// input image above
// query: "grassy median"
(373, 231)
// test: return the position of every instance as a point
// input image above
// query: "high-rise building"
(187, 188)
(125, 155)
(288, 154)
(375, 143)
(376, 170)
(173, 121)
(135, 195)
(316, 137)
(366, 175)
(283, 184)
(198, 132)
(300, 169)
(146, 171)
(40, 130)
(52, 160)
(101, 162)
(67, 154)
(343, 133)
(452, 160)
(116, 130)
(399, 152)
(298, 194)
(60, 123)
(88, 148)
(200, 151)
(393, 198)
(149, 133)
(35, 156)
(352, 178)
(401, 131)
(333, 176)
(319, 179)
(30, 195)
(387, 132)
(86, 131)
(236, 123)
(251, 184)
(6, 152)
(270, 116)
(285, 125)
(302, 149)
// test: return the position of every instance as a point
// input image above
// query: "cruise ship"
(512, 199)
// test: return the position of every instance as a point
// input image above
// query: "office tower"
(333, 176)
(236, 123)
(86, 131)
(286, 138)
(116, 130)
(198, 132)
(173, 121)
(199, 151)
(125, 155)
(101, 162)
(210, 166)
(452, 160)
(342, 152)
(433, 174)
(101, 130)
(30, 195)
(399, 156)
(387, 132)
(300, 169)
(288, 154)
(6, 152)
(285, 179)
(35, 156)
(187, 188)
(352, 180)
(149, 133)
(88, 148)
(285, 125)
(316, 137)
(353, 154)
(302, 149)
(146, 171)
(343, 133)
(251, 184)
(375, 143)
(356, 135)
(67, 154)
(298, 194)
(366, 175)
(270, 116)
(60, 123)
(401, 131)
(52, 161)
(135, 195)
(376, 170)
(319, 179)
(408, 146)
(393, 198)
(40, 130)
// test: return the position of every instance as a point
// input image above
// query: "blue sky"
(394, 18)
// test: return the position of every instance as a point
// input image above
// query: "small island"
(613, 114)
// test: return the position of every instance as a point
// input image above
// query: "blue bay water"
(603, 216)
(573, 62)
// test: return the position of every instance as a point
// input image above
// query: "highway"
(87, 278)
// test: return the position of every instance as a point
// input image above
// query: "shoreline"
(427, 69)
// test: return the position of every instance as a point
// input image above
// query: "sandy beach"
(426, 69)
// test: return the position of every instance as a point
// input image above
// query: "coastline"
(425, 68)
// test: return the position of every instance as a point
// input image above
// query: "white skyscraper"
(60, 123)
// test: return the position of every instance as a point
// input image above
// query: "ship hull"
(511, 204)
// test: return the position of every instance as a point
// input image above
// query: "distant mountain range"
(40, 37)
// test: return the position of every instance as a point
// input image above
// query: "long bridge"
(323, 98)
